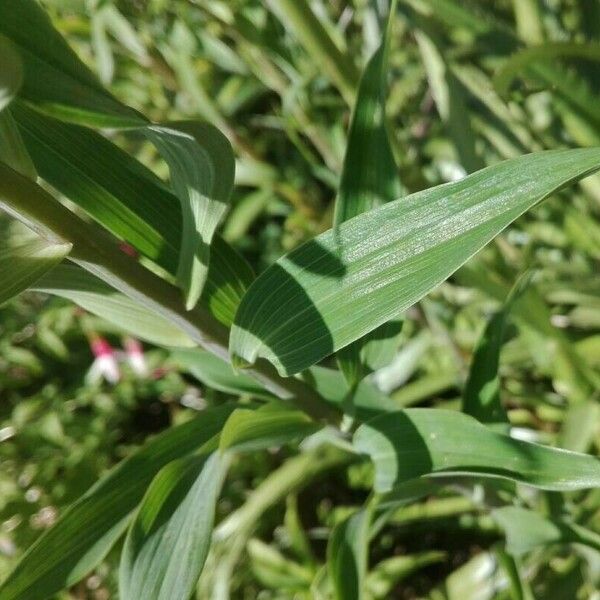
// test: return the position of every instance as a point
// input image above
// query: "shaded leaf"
(97, 297)
(22, 263)
(527, 529)
(422, 441)
(11, 72)
(129, 200)
(89, 528)
(270, 425)
(378, 264)
(347, 555)
(202, 169)
(481, 398)
(168, 541)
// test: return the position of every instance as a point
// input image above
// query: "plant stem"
(98, 252)
(297, 16)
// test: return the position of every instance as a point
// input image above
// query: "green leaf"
(347, 555)
(90, 527)
(11, 72)
(200, 158)
(126, 198)
(271, 425)
(422, 441)
(369, 174)
(329, 383)
(202, 168)
(54, 77)
(168, 541)
(92, 294)
(218, 374)
(23, 262)
(542, 52)
(526, 530)
(347, 282)
(12, 148)
(481, 398)
(369, 178)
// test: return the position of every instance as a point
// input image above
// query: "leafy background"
(235, 65)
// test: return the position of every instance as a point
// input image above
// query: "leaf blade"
(421, 441)
(378, 264)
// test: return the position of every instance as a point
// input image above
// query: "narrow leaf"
(481, 397)
(89, 528)
(22, 263)
(11, 72)
(169, 539)
(347, 554)
(421, 441)
(54, 77)
(126, 198)
(97, 297)
(369, 178)
(269, 426)
(202, 169)
(346, 282)
(526, 530)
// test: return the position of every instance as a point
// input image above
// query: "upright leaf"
(369, 178)
(11, 72)
(346, 282)
(88, 529)
(481, 397)
(347, 554)
(422, 441)
(168, 541)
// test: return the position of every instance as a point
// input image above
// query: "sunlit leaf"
(421, 441)
(168, 541)
(348, 281)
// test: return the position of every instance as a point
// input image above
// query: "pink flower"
(135, 357)
(105, 365)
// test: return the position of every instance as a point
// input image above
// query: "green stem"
(297, 16)
(99, 253)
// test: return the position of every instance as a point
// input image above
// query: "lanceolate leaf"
(347, 554)
(482, 392)
(330, 384)
(23, 263)
(90, 527)
(346, 282)
(217, 374)
(11, 72)
(200, 158)
(422, 441)
(169, 539)
(127, 199)
(271, 425)
(54, 77)
(526, 530)
(95, 296)
(369, 178)
(202, 169)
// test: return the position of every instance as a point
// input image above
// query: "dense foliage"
(359, 242)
